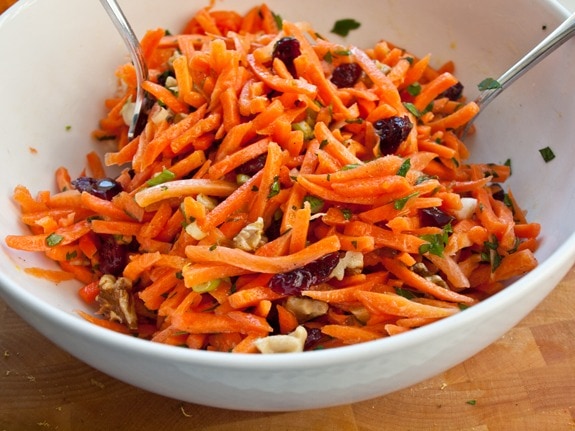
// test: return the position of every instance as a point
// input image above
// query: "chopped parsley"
(547, 154)
(404, 168)
(471, 402)
(315, 203)
(346, 213)
(279, 21)
(342, 27)
(435, 242)
(408, 294)
(414, 89)
(489, 84)
(400, 203)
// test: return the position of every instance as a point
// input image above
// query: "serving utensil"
(132, 43)
(553, 41)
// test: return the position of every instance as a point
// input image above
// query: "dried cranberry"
(253, 166)
(104, 188)
(435, 217)
(454, 92)
(497, 192)
(300, 279)
(392, 132)
(346, 75)
(287, 49)
(113, 256)
(314, 336)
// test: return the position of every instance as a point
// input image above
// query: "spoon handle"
(132, 43)
(553, 41)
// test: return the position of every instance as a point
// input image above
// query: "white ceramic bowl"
(57, 63)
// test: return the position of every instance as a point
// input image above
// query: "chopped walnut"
(306, 309)
(290, 343)
(352, 261)
(422, 270)
(115, 300)
(251, 237)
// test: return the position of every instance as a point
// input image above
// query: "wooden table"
(524, 381)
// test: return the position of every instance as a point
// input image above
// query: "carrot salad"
(286, 193)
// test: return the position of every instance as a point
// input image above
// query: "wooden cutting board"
(524, 381)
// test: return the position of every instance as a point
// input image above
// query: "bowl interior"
(53, 89)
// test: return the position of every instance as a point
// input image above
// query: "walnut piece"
(115, 300)
(251, 237)
(290, 343)
(306, 309)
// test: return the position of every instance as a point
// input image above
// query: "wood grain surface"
(524, 381)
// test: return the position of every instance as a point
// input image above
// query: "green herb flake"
(411, 108)
(213, 247)
(163, 177)
(400, 203)
(54, 239)
(408, 294)
(547, 154)
(342, 27)
(354, 121)
(471, 402)
(346, 213)
(350, 167)
(328, 57)
(279, 21)
(414, 89)
(71, 255)
(404, 168)
(508, 163)
(489, 84)
(274, 188)
(315, 203)
(436, 242)
(68, 128)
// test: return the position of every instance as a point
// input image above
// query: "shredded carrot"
(262, 194)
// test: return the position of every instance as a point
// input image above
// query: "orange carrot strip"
(245, 260)
(422, 284)
(115, 227)
(140, 263)
(457, 119)
(105, 323)
(181, 188)
(251, 297)
(44, 242)
(235, 201)
(229, 163)
(350, 334)
(515, 264)
(432, 89)
(206, 323)
(270, 172)
(52, 275)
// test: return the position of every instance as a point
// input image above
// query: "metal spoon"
(553, 41)
(123, 26)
